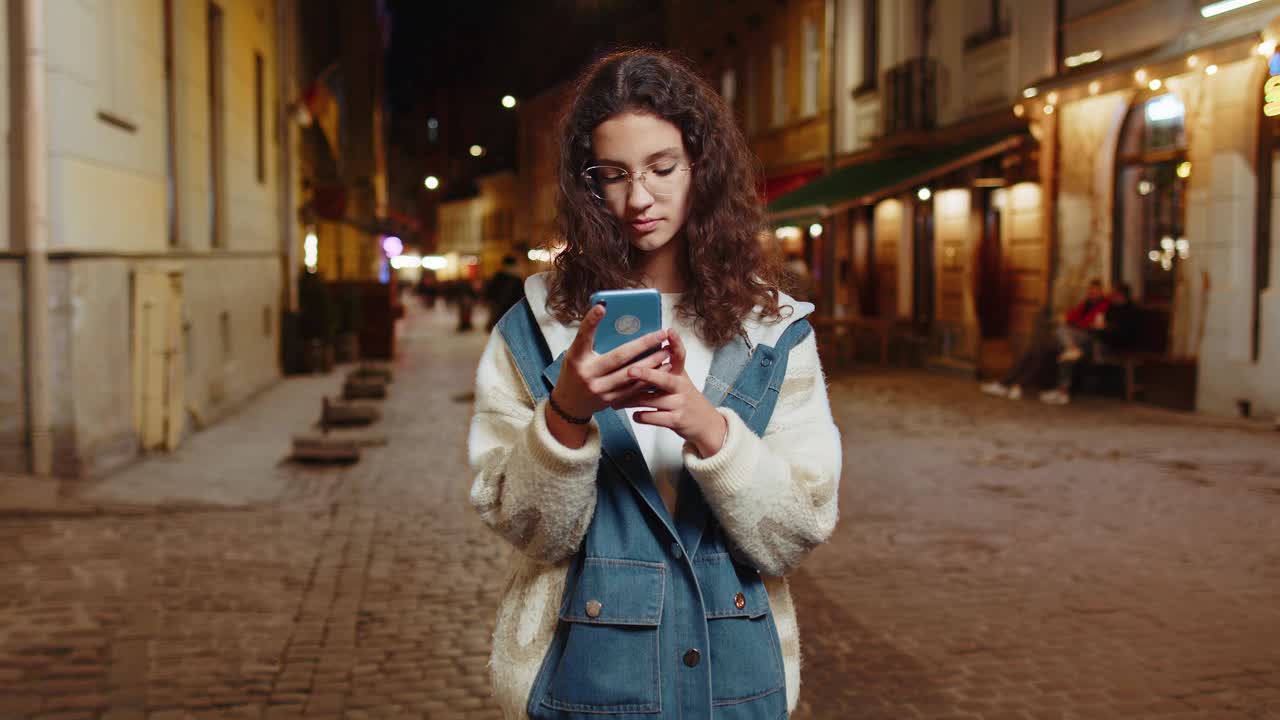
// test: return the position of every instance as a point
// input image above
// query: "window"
(215, 79)
(1151, 184)
(119, 59)
(729, 86)
(259, 117)
(779, 95)
(812, 66)
(1268, 164)
(870, 45)
(989, 21)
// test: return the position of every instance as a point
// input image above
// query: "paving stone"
(994, 559)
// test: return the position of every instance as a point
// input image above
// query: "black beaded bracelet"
(566, 416)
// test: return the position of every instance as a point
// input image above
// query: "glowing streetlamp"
(432, 182)
(508, 101)
(476, 151)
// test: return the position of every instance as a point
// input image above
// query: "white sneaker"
(1015, 392)
(1054, 397)
(994, 388)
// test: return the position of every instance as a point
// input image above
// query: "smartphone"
(628, 314)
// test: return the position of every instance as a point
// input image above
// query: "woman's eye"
(610, 176)
(664, 170)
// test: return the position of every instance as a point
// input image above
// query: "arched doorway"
(1149, 237)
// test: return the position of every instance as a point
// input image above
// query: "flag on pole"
(322, 101)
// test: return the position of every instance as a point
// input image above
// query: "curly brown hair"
(728, 268)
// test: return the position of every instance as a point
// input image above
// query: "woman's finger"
(586, 337)
(663, 380)
(623, 355)
(678, 351)
(657, 418)
(635, 388)
(620, 378)
(645, 399)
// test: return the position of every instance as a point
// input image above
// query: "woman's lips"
(644, 226)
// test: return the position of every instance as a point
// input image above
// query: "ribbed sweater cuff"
(556, 459)
(726, 472)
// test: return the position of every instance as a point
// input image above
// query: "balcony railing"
(909, 96)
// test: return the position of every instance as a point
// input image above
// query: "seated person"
(1114, 331)
(1075, 333)
(1064, 347)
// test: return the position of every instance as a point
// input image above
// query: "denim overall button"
(676, 551)
(766, 362)
(692, 657)
(739, 601)
(593, 608)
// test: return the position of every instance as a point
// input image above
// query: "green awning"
(866, 182)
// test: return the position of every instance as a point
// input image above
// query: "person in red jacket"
(1063, 347)
(1090, 314)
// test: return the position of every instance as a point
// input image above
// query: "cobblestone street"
(994, 559)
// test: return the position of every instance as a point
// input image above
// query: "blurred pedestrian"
(669, 554)
(464, 294)
(801, 278)
(503, 291)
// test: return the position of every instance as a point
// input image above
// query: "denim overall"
(657, 619)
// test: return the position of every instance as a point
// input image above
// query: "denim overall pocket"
(610, 659)
(746, 658)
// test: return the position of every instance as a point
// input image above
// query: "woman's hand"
(590, 382)
(677, 405)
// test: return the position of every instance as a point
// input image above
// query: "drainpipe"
(829, 238)
(31, 55)
(833, 60)
(287, 92)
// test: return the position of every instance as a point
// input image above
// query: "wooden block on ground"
(325, 448)
(355, 388)
(340, 413)
(372, 371)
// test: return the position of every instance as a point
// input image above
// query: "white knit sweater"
(775, 497)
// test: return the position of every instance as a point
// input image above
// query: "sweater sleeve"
(533, 491)
(776, 495)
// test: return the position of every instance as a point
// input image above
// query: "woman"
(654, 504)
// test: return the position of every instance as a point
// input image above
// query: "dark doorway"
(922, 285)
(991, 291)
(863, 223)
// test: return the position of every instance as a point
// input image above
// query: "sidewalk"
(239, 461)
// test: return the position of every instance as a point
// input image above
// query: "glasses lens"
(605, 182)
(613, 184)
(661, 178)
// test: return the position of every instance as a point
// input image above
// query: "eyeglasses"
(613, 184)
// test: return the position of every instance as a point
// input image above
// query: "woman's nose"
(638, 197)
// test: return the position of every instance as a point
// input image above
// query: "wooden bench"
(1129, 362)
(1150, 346)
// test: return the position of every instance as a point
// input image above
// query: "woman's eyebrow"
(666, 152)
(671, 152)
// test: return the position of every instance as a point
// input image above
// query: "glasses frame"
(630, 178)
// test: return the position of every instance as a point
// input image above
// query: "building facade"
(1166, 183)
(991, 158)
(476, 233)
(142, 277)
